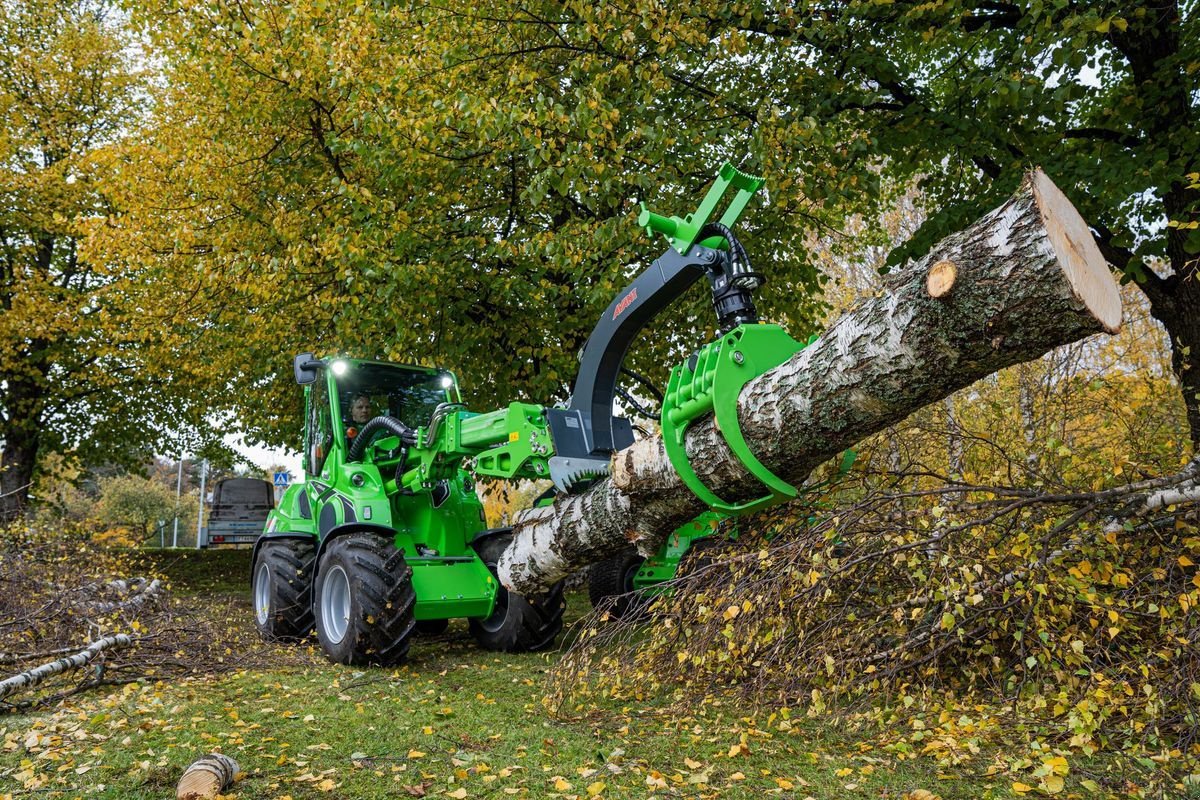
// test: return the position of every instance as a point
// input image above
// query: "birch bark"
(1027, 278)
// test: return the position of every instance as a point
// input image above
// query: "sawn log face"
(1027, 278)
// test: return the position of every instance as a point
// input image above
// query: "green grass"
(453, 718)
(211, 571)
(454, 721)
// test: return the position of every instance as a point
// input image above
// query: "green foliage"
(430, 184)
(453, 183)
(140, 502)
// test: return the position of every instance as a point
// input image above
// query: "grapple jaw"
(576, 456)
(569, 473)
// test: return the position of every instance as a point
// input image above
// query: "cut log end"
(1085, 268)
(940, 278)
(207, 777)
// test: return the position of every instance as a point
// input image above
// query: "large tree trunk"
(1175, 302)
(21, 407)
(1026, 278)
(18, 456)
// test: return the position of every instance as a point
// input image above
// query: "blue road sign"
(283, 478)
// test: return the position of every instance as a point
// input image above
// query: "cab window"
(320, 426)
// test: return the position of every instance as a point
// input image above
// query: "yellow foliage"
(118, 536)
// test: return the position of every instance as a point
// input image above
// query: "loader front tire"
(363, 601)
(517, 625)
(282, 589)
(610, 586)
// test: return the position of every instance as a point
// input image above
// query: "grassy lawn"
(455, 721)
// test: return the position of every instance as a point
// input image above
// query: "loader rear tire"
(282, 589)
(517, 624)
(610, 586)
(363, 601)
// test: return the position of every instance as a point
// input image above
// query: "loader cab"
(408, 393)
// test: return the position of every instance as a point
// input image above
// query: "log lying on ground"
(1021, 281)
(33, 677)
(207, 777)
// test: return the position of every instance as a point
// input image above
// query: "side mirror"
(305, 367)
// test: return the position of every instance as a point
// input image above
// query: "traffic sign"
(282, 479)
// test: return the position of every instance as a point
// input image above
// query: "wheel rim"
(500, 612)
(262, 594)
(630, 573)
(335, 604)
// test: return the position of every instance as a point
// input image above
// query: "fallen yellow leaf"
(1052, 784)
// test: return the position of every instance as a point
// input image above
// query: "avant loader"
(386, 535)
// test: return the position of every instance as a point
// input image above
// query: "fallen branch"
(33, 677)
(141, 592)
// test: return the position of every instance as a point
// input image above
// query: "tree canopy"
(455, 184)
(89, 366)
(68, 88)
(452, 183)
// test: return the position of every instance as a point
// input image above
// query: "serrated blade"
(568, 472)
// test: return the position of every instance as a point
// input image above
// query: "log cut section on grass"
(1019, 282)
(207, 777)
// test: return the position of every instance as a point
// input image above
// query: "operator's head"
(360, 409)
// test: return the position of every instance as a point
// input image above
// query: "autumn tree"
(420, 184)
(74, 368)
(138, 502)
(449, 183)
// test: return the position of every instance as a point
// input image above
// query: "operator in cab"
(361, 412)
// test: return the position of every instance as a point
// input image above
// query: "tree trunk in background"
(20, 432)
(1179, 312)
(1026, 278)
(17, 461)
(954, 440)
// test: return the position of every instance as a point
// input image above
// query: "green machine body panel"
(664, 564)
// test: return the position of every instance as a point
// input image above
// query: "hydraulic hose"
(358, 447)
(733, 283)
(735, 247)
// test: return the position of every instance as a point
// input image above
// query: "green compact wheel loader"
(386, 536)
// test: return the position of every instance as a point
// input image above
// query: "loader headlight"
(339, 368)
(447, 381)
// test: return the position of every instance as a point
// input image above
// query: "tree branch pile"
(1080, 603)
(70, 620)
